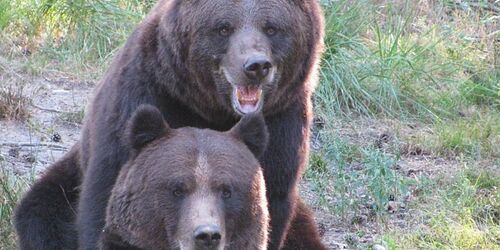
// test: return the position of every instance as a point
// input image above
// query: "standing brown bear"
(189, 188)
(202, 64)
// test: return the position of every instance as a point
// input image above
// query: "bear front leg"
(303, 233)
(101, 174)
(284, 162)
(281, 211)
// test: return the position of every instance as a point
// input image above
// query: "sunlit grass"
(462, 215)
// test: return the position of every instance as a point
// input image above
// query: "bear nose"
(256, 68)
(207, 236)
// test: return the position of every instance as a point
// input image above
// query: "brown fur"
(143, 211)
(178, 61)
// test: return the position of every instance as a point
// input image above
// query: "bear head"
(253, 54)
(189, 188)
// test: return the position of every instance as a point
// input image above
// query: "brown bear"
(203, 64)
(189, 188)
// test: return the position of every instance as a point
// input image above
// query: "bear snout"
(207, 236)
(257, 67)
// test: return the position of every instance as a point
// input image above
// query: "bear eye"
(226, 193)
(270, 31)
(178, 192)
(225, 30)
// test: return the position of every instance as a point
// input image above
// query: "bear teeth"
(248, 96)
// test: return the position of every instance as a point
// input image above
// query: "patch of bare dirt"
(28, 147)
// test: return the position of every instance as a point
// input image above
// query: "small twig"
(46, 109)
(52, 146)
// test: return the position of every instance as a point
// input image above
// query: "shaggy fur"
(153, 203)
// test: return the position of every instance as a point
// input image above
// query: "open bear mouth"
(247, 98)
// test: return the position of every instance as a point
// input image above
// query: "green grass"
(403, 62)
(370, 70)
(11, 189)
(482, 90)
(5, 13)
(476, 137)
(462, 215)
(347, 177)
(379, 66)
(73, 117)
(82, 34)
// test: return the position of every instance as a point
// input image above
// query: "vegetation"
(407, 121)
(11, 188)
(13, 103)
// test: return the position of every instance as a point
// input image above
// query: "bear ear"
(146, 125)
(252, 130)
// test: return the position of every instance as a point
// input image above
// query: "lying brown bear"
(189, 188)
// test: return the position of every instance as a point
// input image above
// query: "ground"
(51, 130)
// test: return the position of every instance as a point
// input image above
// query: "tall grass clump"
(86, 30)
(362, 64)
(14, 103)
(387, 59)
(340, 88)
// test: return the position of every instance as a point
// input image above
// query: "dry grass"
(14, 103)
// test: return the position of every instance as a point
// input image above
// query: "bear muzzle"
(207, 237)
